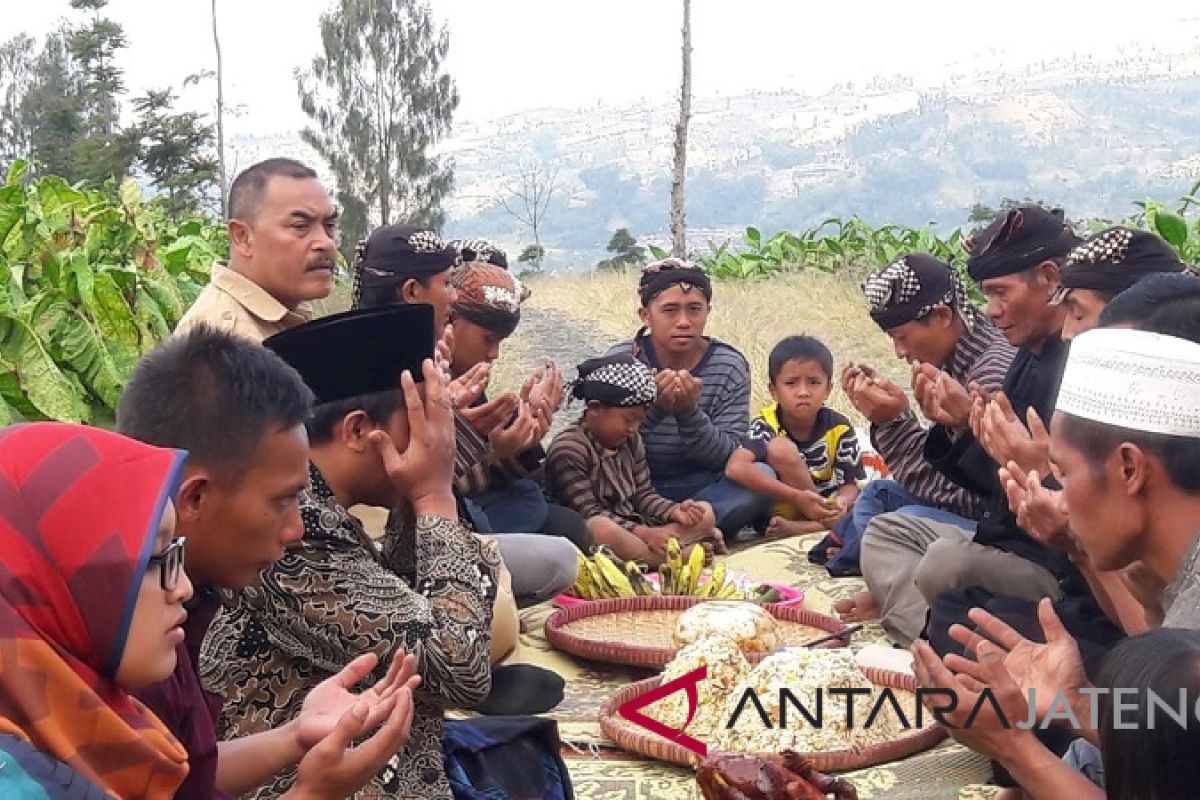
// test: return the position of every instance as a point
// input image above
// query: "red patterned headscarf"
(79, 513)
(489, 296)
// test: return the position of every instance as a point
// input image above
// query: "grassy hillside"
(574, 316)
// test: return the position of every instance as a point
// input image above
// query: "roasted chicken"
(786, 776)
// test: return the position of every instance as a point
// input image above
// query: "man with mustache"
(282, 253)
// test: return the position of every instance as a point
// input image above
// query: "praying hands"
(678, 390)
(1006, 438)
(943, 400)
(877, 398)
(1051, 670)
(333, 717)
(1040, 511)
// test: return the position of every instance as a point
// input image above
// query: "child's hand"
(688, 513)
(654, 538)
(817, 508)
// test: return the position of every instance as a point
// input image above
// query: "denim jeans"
(519, 506)
(735, 506)
(880, 497)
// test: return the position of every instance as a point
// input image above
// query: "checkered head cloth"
(619, 380)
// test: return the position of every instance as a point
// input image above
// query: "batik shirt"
(334, 596)
(831, 451)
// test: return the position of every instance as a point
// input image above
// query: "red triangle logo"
(687, 682)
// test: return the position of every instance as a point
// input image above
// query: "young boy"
(812, 450)
(598, 467)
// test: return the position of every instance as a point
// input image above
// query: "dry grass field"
(573, 316)
(601, 309)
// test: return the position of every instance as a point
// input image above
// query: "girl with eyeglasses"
(91, 602)
(92, 593)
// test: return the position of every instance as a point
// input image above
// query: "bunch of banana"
(679, 577)
(602, 576)
(599, 577)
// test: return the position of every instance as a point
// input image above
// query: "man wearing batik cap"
(1104, 266)
(702, 411)
(908, 560)
(405, 264)
(1125, 438)
(919, 302)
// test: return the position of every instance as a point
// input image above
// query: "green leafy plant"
(1174, 225)
(832, 246)
(90, 280)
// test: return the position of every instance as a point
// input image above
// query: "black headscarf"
(395, 253)
(618, 380)
(480, 250)
(659, 276)
(1115, 259)
(1017, 240)
(911, 287)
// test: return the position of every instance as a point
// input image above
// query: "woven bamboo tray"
(637, 630)
(636, 739)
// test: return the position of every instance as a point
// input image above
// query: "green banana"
(613, 575)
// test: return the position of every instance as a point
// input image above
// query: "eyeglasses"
(170, 564)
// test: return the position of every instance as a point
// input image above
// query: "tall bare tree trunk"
(224, 191)
(678, 224)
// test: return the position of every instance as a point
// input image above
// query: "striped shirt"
(702, 438)
(586, 477)
(982, 355)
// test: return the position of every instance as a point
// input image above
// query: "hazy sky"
(512, 55)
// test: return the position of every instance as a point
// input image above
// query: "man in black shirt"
(908, 561)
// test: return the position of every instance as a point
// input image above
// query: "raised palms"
(1046, 669)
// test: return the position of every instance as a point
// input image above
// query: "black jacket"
(1032, 381)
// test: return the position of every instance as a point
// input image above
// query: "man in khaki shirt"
(282, 253)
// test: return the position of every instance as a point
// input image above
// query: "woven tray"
(636, 739)
(637, 630)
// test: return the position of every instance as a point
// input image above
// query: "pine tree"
(379, 100)
(175, 150)
(105, 151)
(18, 56)
(52, 109)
